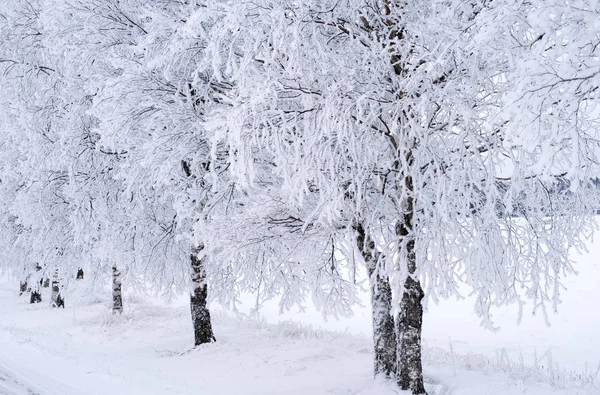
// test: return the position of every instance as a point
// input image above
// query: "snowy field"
(84, 349)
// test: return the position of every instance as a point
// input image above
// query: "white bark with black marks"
(35, 285)
(116, 291)
(384, 335)
(410, 322)
(410, 316)
(56, 300)
(203, 332)
(22, 287)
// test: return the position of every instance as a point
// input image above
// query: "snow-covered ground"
(84, 349)
(571, 341)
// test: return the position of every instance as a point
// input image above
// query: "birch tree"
(411, 100)
(38, 208)
(165, 165)
(226, 147)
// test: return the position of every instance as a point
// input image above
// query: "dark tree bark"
(56, 299)
(203, 332)
(384, 335)
(79, 274)
(116, 289)
(201, 321)
(36, 297)
(410, 318)
(36, 293)
(410, 322)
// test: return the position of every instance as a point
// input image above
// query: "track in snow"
(9, 385)
(16, 379)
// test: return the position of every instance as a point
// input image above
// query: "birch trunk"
(203, 332)
(36, 296)
(384, 336)
(22, 287)
(410, 317)
(56, 298)
(116, 291)
(410, 322)
(35, 283)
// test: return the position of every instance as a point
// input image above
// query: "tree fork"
(203, 332)
(384, 335)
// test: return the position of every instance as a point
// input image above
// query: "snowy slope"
(86, 350)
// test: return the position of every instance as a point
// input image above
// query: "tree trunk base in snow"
(60, 302)
(56, 298)
(410, 321)
(203, 332)
(384, 331)
(36, 297)
(22, 287)
(384, 334)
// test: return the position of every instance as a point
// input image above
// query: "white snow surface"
(84, 349)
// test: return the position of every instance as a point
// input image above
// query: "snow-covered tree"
(36, 208)
(408, 99)
(147, 109)
(227, 147)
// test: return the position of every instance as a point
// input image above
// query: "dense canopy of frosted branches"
(461, 136)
